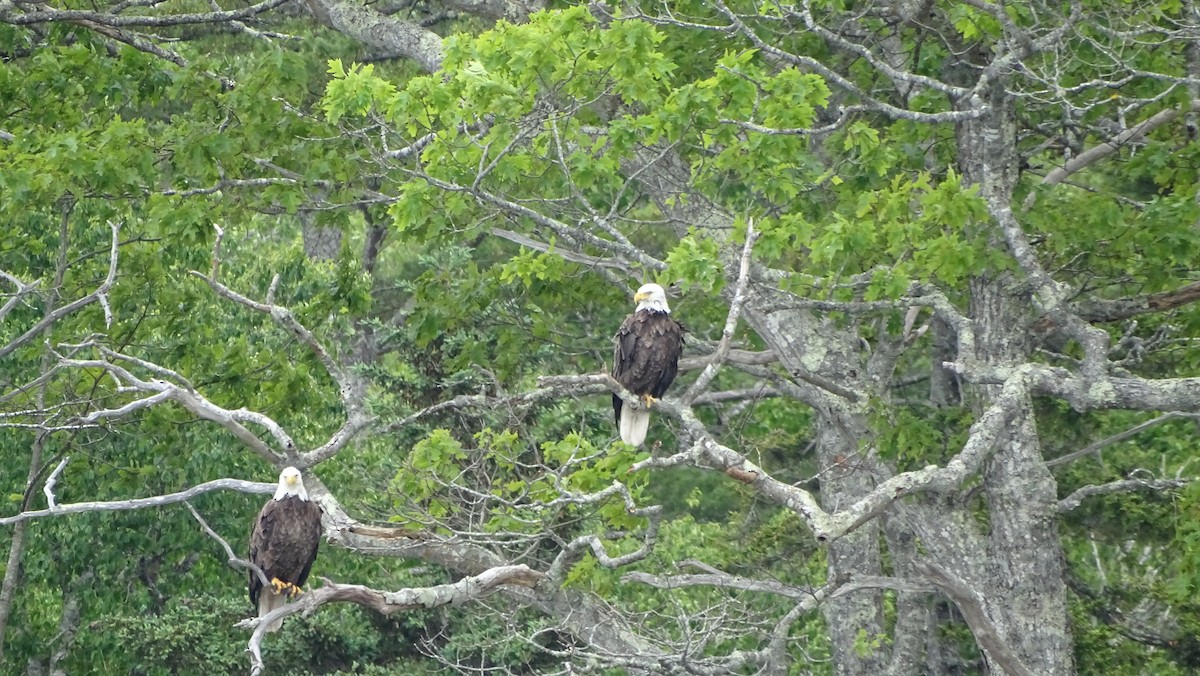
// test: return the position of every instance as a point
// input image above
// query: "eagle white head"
(290, 484)
(652, 298)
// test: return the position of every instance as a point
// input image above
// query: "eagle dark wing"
(646, 354)
(284, 542)
(625, 344)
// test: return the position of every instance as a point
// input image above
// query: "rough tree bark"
(1023, 587)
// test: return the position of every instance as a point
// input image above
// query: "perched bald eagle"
(283, 544)
(645, 359)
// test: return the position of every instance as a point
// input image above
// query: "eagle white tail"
(634, 425)
(268, 600)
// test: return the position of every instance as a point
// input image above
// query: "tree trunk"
(855, 621)
(1024, 591)
(1022, 585)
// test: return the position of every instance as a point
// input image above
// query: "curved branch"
(389, 602)
(67, 309)
(237, 485)
(731, 320)
(231, 558)
(573, 551)
(1076, 498)
(971, 606)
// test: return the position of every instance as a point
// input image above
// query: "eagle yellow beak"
(639, 297)
(291, 479)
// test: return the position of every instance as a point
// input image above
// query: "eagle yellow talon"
(294, 590)
(279, 585)
(648, 400)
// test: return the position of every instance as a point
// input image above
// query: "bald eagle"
(645, 359)
(283, 544)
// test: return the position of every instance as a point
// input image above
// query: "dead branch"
(1076, 498)
(46, 14)
(573, 551)
(1116, 438)
(237, 485)
(389, 603)
(231, 558)
(67, 309)
(1124, 308)
(52, 481)
(731, 320)
(200, 406)
(720, 579)
(1103, 150)
(971, 606)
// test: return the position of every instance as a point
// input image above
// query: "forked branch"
(389, 602)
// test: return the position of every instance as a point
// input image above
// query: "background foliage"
(555, 111)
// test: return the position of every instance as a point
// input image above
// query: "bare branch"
(731, 320)
(838, 80)
(284, 317)
(1076, 498)
(1124, 308)
(984, 436)
(572, 552)
(231, 558)
(1103, 150)
(732, 356)
(52, 481)
(1116, 438)
(1087, 392)
(760, 391)
(971, 606)
(558, 227)
(47, 15)
(237, 485)
(197, 404)
(388, 603)
(351, 387)
(720, 579)
(67, 309)
(22, 291)
(565, 254)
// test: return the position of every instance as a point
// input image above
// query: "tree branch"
(389, 603)
(1103, 150)
(48, 15)
(1116, 438)
(721, 579)
(51, 481)
(731, 320)
(1124, 308)
(971, 607)
(67, 309)
(231, 558)
(143, 503)
(573, 551)
(1076, 498)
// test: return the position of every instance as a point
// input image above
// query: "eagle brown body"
(283, 543)
(645, 361)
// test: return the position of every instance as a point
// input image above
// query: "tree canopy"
(938, 402)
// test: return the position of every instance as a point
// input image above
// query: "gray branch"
(231, 558)
(388, 602)
(237, 485)
(67, 309)
(731, 320)
(1076, 498)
